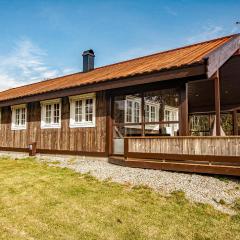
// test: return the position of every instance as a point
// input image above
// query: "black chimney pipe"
(88, 60)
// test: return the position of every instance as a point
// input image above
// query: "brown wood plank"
(184, 157)
(67, 152)
(217, 103)
(183, 118)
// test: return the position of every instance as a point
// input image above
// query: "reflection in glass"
(170, 129)
(161, 105)
(227, 123)
(121, 131)
(201, 125)
(160, 112)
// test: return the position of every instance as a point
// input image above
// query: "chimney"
(88, 60)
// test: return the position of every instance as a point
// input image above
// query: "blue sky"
(45, 39)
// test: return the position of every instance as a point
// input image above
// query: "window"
(132, 109)
(19, 116)
(82, 110)
(51, 114)
(151, 111)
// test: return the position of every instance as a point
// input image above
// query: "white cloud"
(206, 33)
(26, 63)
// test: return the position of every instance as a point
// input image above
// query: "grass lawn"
(41, 202)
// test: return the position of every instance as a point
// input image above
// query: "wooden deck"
(212, 155)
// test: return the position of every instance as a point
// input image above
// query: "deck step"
(176, 166)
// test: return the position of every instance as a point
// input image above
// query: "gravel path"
(221, 193)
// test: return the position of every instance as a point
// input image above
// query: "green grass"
(42, 202)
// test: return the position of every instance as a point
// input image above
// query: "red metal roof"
(175, 58)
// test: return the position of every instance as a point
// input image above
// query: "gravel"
(220, 192)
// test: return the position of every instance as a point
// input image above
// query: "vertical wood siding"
(65, 139)
(212, 146)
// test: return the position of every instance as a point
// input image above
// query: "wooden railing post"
(125, 148)
(183, 121)
(217, 103)
(32, 149)
(235, 123)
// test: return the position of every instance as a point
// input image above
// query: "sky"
(45, 39)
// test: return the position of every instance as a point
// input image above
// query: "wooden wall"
(89, 140)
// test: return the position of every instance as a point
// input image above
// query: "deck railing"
(219, 155)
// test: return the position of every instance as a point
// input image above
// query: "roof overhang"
(189, 71)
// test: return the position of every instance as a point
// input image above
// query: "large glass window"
(201, 125)
(205, 124)
(149, 113)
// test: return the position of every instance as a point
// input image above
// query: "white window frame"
(20, 126)
(155, 106)
(133, 100)
(44, 124)
(83, 123)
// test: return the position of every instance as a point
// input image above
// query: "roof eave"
(184, 71)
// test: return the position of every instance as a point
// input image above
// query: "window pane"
(89, 110)
(17, 120)
(78, 111)
(23, 116)
(119, 109)
(48, 114)
(153, 114)
(136, 112)
(56, 116)
(201, 125)
(129, 111)
(147, 113)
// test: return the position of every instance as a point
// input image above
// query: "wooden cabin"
(175, 110)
